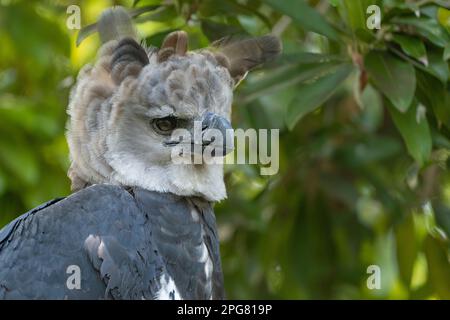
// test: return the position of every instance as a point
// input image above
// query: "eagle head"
(157, 118)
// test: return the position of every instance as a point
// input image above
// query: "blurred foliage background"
(364, 119)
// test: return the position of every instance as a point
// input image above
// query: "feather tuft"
(246, 54)
(115, 24)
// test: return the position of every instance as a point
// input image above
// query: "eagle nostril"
(207, 142)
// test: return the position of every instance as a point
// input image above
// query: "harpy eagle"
(138, 225)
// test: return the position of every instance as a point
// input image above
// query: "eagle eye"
(165, 125)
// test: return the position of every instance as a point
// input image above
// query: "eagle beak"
(212, 135)
(217, 135)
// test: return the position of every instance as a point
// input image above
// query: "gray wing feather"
(176, 225)
(120, 271)
(38, 247)
(6, 232)
(126, 245)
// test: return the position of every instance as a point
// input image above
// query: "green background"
(364, 119)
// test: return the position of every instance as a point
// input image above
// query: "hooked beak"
(217, 135)
(212, 136)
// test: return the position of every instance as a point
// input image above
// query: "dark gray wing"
(100, 230)
(125, 245)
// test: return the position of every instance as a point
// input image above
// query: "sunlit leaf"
(47, 40)
(92, 28)
(438, 266)
(86, 32)
(138, 11)
(443, 16)
(406, 248)
(155, 13)
(355, 14)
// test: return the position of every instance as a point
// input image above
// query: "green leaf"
(413, 127)
(3, 183)
(437, 66)
(282, 78)
(412, 46)
(138, 11)
(214, 8)
(157, 38)
(311, 95)
(45, 38)
(304, 58)
(162, 14)
(395, 78)
(371, 150)
(446, 55)
(442, 216)
(334, 3)
(438, 266)
(214, 31)
(433, 94)
(428, 28)
(304, 16)
(406, 248)
(85, 32)
(443, 16)
(145, 2)
(354, 13)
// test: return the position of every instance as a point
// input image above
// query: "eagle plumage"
(138, 226)
(125, 242)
